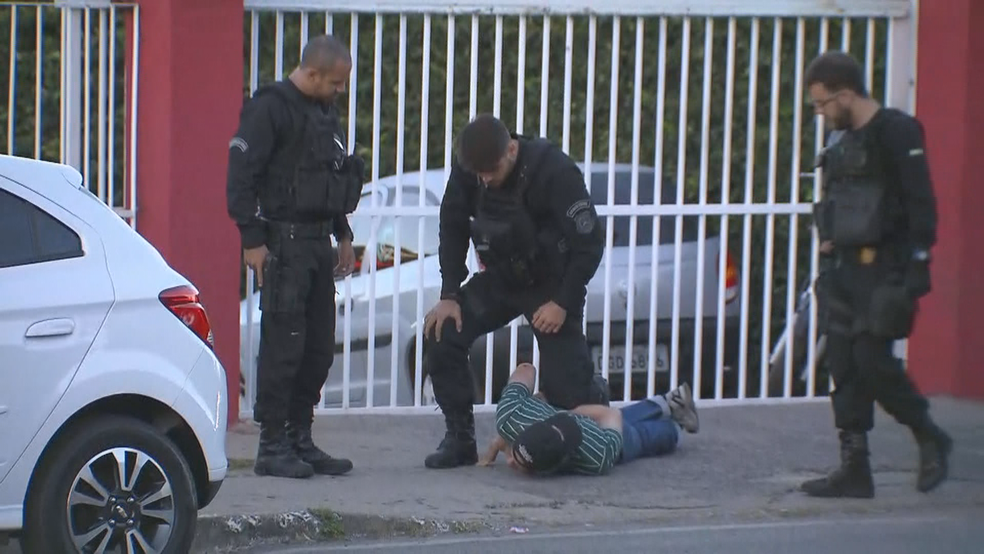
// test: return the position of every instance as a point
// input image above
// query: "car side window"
(31, 235)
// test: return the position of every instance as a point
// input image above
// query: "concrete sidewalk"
(745, 464)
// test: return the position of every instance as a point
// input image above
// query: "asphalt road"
(955, 534)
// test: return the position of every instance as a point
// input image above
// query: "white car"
(113, 405)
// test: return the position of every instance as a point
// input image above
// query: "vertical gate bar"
(606, 335)
(12, 91)
(497, 72)
(101, 112)
(134, 83)
(278, 67)
(347, 323)
(473, 85)
(869, 56)
(111, 108)
(449, 100)
(746, 250)
(38, 79)
(725, 219)
(811, 344)
(372, 248)
(304, 34)
(705, 131)
(424, 128)
(568, 77)
(794, 198)
(634, 219)
(770, 217)
(681, 183)
(521, 75)
(397, 223)
(87, 96)
(657, 199)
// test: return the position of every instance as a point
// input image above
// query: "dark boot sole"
(438, 462)
(946, 447)
(265, 471)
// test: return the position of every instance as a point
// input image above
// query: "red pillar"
(189, 93)
(946, 352)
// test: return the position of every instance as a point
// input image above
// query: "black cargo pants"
(862, 365)
(297, 326)
(566, 370)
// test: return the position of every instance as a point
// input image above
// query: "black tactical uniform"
(290, 186)
(879, 210)
(539, 240)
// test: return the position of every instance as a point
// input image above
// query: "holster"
(891, 312)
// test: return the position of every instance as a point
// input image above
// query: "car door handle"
(51, 328)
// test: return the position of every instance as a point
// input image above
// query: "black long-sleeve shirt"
(556, 196)
(903, 139)
(268, 122)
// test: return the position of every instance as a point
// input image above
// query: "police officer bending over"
(290, 186)
(524, 204)
(876, 223)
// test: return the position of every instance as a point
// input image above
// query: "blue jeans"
(647, 430)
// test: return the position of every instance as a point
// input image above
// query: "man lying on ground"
(537, 438)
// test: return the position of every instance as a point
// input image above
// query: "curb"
(225, 534)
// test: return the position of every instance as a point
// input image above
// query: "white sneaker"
(682, 408)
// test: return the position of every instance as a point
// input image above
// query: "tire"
(94, 444)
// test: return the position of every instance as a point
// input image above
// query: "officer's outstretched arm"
(575, 214)
(454, 231)
(907, 149)
(249, 152)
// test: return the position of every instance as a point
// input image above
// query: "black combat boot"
(458, 447)
(299, 435)
(934, 449)
(276, 457)
(853, 478)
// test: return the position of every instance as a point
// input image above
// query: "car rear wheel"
(111, 484)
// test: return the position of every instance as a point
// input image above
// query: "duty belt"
(302, 230)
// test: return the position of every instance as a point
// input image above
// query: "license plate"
(639, 361)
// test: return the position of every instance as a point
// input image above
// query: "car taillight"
(183, 302)
(730, 272)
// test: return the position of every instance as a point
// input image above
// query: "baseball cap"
(544, 446)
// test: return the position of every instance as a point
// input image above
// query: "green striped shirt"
(518, 409)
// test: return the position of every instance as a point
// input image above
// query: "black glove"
(917, 281)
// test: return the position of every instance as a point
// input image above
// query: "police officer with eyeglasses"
(876, 222)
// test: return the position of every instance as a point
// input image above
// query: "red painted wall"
(189, 95)
(946, 352)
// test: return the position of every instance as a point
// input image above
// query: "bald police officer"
(290, 187)
(876, 223)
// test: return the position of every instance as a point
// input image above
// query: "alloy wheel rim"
(121, 501)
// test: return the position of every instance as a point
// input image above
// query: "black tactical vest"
(854, 211)
(506, 236)
(311, 177)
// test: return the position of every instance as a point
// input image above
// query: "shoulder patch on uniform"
(238, 143)
(583, 216)
(584, 222)
(578, 206)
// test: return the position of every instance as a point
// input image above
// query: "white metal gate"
(706, 94)
(69, 94)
